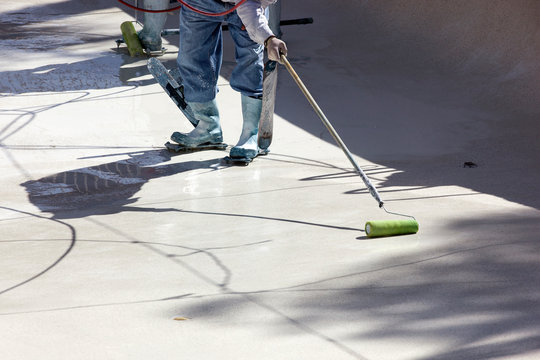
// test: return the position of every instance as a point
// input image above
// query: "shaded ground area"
(426, 86)
(113, 248)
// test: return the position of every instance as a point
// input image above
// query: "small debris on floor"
(180, 318)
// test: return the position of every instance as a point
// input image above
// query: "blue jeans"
(201, 51)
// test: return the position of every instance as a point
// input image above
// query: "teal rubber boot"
(208, 130)
(247, 147)
(153, 23)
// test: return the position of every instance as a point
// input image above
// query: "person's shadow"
(106, 188)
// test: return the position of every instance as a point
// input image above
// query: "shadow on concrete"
(423, 88)
(110, 188)
(414, 99)
(71, 244)
(26, 28)
(107, 188)
(468, 294)
(480, 296)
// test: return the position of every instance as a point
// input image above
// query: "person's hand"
(275, 47)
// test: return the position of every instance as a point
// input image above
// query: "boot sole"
(244, 161)
(207, 146)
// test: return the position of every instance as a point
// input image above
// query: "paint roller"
(131, 39)
(373, 228)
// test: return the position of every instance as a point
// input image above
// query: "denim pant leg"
(200, 55)
(247, 76)
(153, 23)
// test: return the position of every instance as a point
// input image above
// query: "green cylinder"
(131, 39)
(391, 227)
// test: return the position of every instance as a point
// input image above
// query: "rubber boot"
(150, 35)
(247, 144)
(208, 129)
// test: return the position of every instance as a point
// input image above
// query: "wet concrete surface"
(113, 248)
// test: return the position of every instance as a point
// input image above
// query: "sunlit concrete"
(112, 248)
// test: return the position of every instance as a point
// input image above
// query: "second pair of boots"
(208, 130)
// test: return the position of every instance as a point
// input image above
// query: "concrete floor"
(112, 248)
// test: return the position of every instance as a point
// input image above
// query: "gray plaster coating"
(106, 238)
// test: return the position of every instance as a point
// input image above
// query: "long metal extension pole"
(372, 190)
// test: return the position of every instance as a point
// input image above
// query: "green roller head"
(131, 39)
(391, 227)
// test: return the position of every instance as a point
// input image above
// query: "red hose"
(186, 5)
(212, 14)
